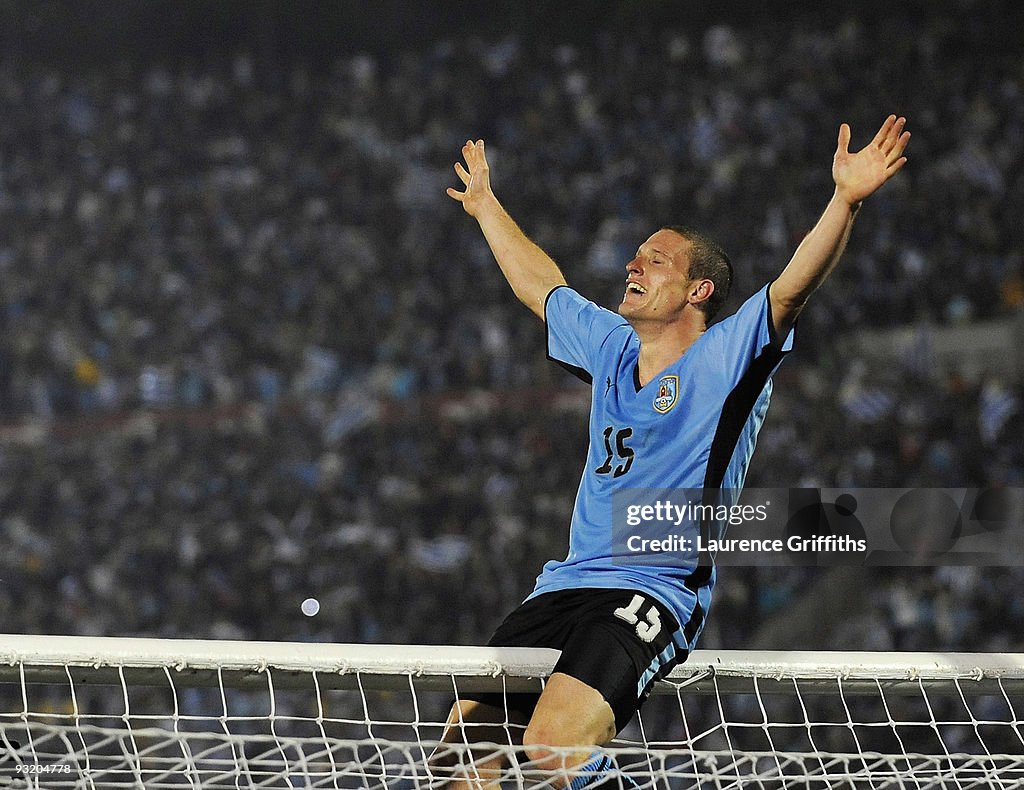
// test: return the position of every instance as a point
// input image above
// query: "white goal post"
(112, 712)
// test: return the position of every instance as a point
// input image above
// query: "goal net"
(146, 713)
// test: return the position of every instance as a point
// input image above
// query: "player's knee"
(554, 748)
(538, 743)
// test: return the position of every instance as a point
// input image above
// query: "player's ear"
(702, 291)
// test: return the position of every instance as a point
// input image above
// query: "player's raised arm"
(857, 176)
(528, 269)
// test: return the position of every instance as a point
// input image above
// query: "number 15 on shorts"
(646, 629)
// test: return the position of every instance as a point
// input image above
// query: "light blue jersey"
(694, 426)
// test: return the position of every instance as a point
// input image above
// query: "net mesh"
(301, 730)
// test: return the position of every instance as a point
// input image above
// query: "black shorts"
(616, 641)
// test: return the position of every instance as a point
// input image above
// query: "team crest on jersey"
(668, 394)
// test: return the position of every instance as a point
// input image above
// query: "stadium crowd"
(250, 353)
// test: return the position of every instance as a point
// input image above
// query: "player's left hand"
(858, 175)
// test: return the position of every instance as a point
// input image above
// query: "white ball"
(310, 607)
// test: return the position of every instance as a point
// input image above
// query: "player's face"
(657, 279)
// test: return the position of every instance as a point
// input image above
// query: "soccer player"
(676, 403)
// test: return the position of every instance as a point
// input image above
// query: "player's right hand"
(476, 178)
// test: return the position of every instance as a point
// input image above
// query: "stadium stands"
(250, 352)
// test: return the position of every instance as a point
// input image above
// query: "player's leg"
(492, 718)
(570, 719)
(621, 645)
(476, 723)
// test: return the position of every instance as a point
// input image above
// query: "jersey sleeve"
(747, 335)
(577, 328)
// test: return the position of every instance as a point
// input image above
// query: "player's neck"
(663, 344)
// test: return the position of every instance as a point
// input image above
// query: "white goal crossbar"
(199, 662)
(113, 712)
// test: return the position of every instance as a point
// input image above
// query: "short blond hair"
(708, 261)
